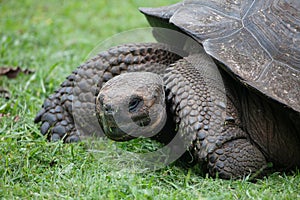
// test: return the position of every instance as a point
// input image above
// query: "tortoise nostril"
(108, 108)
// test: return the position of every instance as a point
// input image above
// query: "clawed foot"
(56, 120)
(236, 159)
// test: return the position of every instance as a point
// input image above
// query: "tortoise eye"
(135, 103)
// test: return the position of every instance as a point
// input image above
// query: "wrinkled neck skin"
(168, 131)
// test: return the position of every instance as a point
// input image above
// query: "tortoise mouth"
(141, 119)
(112, 129)
(121, 125)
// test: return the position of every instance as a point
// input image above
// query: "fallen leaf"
(12, 72)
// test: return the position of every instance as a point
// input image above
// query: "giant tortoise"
(235, 104)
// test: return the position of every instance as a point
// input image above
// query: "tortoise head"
(132, 105)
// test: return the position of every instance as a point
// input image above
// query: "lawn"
(52, 38)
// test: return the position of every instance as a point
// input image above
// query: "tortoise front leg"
(235, 159)
(69, 113)
(208, 120)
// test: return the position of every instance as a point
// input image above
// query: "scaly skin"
(76, 95)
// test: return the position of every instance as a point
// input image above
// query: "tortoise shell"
(257, 41)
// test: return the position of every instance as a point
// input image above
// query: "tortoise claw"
(73, 138)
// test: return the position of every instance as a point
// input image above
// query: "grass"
(52, 38)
